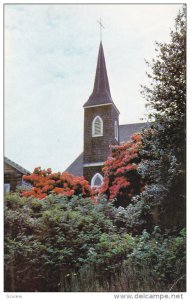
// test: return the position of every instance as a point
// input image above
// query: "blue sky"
(50, 60)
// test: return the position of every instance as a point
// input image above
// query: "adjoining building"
(13, 175)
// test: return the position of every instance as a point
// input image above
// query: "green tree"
(164, 144)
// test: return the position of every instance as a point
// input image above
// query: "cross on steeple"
(101, 26)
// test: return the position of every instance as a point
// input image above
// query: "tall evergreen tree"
(164, 143)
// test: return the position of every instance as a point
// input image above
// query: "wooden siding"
(12, 176)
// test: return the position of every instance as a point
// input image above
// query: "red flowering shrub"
(45, 182)
(121, 179)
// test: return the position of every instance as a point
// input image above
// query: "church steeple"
(101, 91)
(101, 124)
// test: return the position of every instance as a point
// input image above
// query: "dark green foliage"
(166, 255)
(70, 244)
(47, 240)
(164, 144)
(135, 217)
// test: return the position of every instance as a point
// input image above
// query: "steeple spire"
(101, 92)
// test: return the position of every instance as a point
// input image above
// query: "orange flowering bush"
(121, 179)
(45, 182)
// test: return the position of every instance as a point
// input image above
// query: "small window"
(6, 187)
(116, 130)
(97, 180)
(97, 126)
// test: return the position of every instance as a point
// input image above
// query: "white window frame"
(116, 130)
(93, 127)
(94, 179)
(7, 188)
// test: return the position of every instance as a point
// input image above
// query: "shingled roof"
(16, 166)
(125, 132)
(101, 92)
(76, 168)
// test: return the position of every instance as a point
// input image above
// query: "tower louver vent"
(97, 127)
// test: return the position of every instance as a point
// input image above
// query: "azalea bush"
(121, 179)
(45, 182)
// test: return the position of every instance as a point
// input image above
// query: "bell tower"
(101, 124)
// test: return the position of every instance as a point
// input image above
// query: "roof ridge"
(133, 123)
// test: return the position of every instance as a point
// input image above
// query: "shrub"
(48, 239)
(66, 243)
(121, 179)
(45, 183)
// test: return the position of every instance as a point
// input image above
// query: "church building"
(101, 128)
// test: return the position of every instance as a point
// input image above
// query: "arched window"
(97, 180)
(116, 130)
(97, 126)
